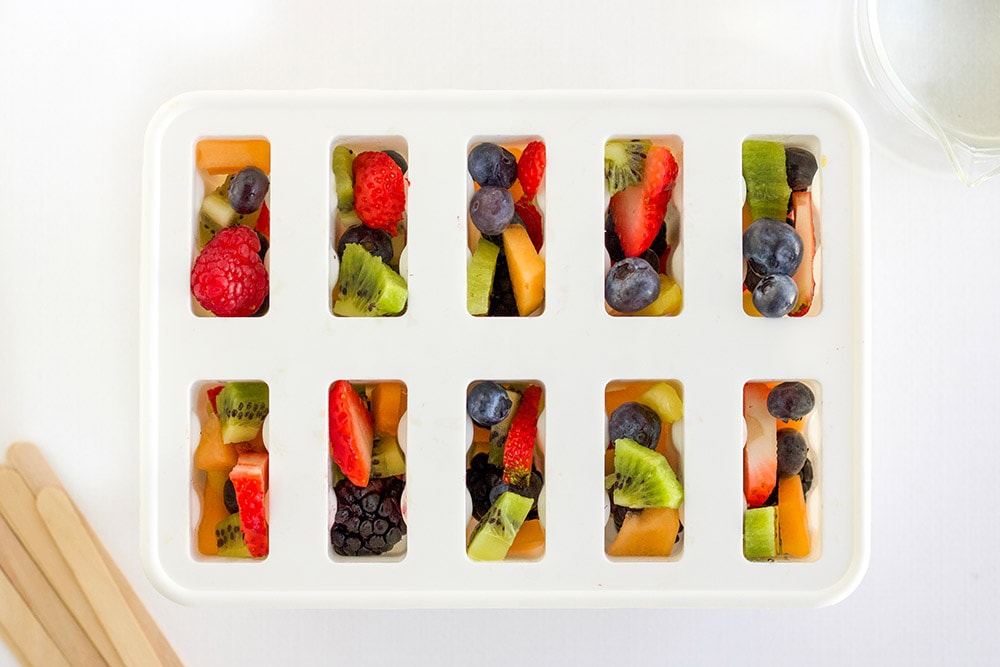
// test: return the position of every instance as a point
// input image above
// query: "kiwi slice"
(216, 214)
(343, 160)
(387, 458)
(242, 409)
(479, 282)
(766, 179)
(495, 533)
(367, 287)
(760, 530)
(643, 478)
(498, 432)
(229, 537)
(624, 162)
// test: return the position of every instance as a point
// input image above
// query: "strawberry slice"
(660, 172)
(638, 211)
(760, 456)
(531, 168)
(264, 222)
(519, 449)
(249, 477)
(213, 393)
(351, 435)
(532, 220)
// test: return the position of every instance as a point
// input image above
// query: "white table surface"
(79, 83)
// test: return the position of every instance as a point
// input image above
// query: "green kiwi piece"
(229, 537)
(643, 478)
(760, 530)
(367, 287)
(387, 458)
(216, 214)
(766, 179)
(343, 159)
(479, 282)
(624, 162)
(498, 432)
(495, 533)
(242, 409)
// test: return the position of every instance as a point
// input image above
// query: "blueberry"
(611, 240)
(376, 241)
(775, 295)
(247, 190)
(800, 167)
(491, 209)
(631, 285)
(651, 258)
(790, 401)
(772, 246)
(636, 422)
(806, 475)
(398, 159)
(229, 497)
(488, 404)
(490, 164)
(792, 450)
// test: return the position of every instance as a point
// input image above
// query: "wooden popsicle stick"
(85, 560)
(14, 649)
(38, 474)
(17, 506)
(23, 631)
(39, 595)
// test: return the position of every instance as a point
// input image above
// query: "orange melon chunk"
(388, 405)
(213, 510)
(228, 156)
(527, 270)
(212, 454)
(529, 542)
(649, 533)
(793, 525)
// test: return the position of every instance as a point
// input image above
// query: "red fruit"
(519, 449)
(760, 455)
(351, 434)
(213, 393)
(228, 278)
(264, 222)
(531, 168)
(638, 211)
(532, 221)
(660, 172)
(249, 478)
(379, 192)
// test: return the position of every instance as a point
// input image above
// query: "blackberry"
(229, 497)
(480, 479)
(368, 520)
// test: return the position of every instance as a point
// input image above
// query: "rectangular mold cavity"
(344, 217)
(486, 473)
(797, 529)
(515, 289)
(215, 160)
(665, 399)
(666, 245)
(804, 215)
(214, 462)
(364, 532)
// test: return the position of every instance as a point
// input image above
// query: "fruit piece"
(643, 478)
(637, 218)
(228, 156)
(342, 163)
(502, 301)
(491, 209)
(213, 510)
(228, 537)
(482, 268)
(498, 432)
(228, 278)
(495, 534)
(791, 452)
(775, 295)
(388, 405)
(243, 406)
(663, 398)
(247, 189)
(487, 404)
(229, 495)
(669, 301)
(624, 162)
(527, 270)
(212, 394)
(480, 479)
(387, 458)
(250, 481)
(772, 246)
(492, 165)
(369, 519)
(660, 173)
(216, 214)
(766, 179)
(806, 475)
(790, 401)
(532, 220)
(804, 279)
(636, 422)
(612, 243)
(398, 159)
(212, 454)
(519, 448)
(800, 168)
(529, 542)
(379, 191)
(533, 490)
(793, 524)
(367, 286)
(760, 532)
(376, 242)
(351, 438)
(263, 226)
(531, 168)
(760, 455)
(631, 285)
(650, 533)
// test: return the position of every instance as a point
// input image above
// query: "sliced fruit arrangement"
(369, 232)
(229, 277)
(777, 470)
(368, 468)
(233, 457)
(641, 228)
(506, 273)
(505, 471)
(779, 229)
(644, 494)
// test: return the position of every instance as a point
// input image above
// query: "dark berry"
(533, 490)
(398, 159)
(488, 404)
(264, 245)
(490, 164)
(651, 258)
(775, 295)
(751, 279)
(618, 513)
(792, 450)
(502, 301)
(229, 497)
(376, 241)
(772, 246)
(481, 478)
(790, 401)
(806, 475)
(491, 209)
(612, 242)
(369, 520)
(636, 422)
(247, 190)
(800, 167)
(631, 285)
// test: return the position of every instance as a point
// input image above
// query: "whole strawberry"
(531, 168)
(379, 192)
(228, 278)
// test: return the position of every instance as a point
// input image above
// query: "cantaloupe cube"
(388, 405)
(228, 156)
(212, 454)
(527, 270)
(213, 510)
(793, 525)
(648, 533)
(529, 543)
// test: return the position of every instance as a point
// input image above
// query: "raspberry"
(229, 278)
(379, 192)
(531, 168)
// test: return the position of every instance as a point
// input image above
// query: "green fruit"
(368, 288)
(624, 162)
(387, 458)
(760, 533)
(498, 432)
(343, 159)
(766, 179)
(643, 478)
(216, 214)
(479, 282)
(229, 537)
(242, 409)
(495, 533)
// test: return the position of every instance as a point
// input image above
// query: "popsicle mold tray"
(574, 348)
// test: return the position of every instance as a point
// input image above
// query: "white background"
(78, 84)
